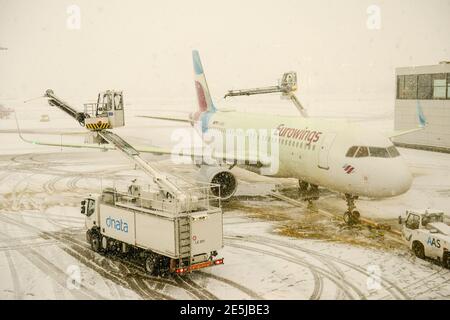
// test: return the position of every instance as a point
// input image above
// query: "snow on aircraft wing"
(71, 145)
(152, 149)
(46, 131)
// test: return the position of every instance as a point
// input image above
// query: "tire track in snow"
(347, 287)
(252, 294)
(395, 290)
(18, 294)
(51, 270)
(46, 266)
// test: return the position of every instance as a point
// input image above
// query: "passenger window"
(351, 152)
(393, 151)
(378, 152)
(413, 222)
(362, 152)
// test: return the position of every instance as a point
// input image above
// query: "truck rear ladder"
(184, 235)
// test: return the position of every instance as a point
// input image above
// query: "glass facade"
(434, 86)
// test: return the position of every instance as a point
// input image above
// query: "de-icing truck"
(165, 234)
(172, 228)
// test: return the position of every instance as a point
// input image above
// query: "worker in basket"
(134, 189)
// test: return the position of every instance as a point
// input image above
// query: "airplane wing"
(186, 152)
(177, 119)
(399, 133)
(71, 145)
(46, 132)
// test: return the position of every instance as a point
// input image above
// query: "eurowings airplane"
(338, 155)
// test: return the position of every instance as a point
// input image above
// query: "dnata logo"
(117, 224)
(434, 242)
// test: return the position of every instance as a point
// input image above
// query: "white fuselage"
(314, 150)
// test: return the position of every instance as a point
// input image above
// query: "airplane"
(338, 155)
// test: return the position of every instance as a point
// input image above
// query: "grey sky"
(144, 47)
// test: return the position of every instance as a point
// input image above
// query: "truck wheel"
(88, 236)
(96, 243)
(105, 244)
(418, 249)
(446, 260)
(151, 264)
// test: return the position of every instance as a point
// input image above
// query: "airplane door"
(324, 151)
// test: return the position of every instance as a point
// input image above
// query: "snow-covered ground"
(43, 252)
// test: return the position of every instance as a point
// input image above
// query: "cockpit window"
(393, 151)
(378, 152)
(351, 152)
(362, 152)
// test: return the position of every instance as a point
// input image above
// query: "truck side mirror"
(400, 221)
(83, 207)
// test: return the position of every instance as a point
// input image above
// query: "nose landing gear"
(351, 216)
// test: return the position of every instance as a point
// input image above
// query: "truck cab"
(90, 209)
(427, 234)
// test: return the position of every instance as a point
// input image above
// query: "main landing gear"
(351, 216)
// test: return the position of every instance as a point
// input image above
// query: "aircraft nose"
(400, 180)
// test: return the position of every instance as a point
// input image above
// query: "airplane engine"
(223, 177)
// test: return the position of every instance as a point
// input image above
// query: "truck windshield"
(430, 218)
(413, 222)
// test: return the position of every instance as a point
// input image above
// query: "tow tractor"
(171, 226)
(427, 234)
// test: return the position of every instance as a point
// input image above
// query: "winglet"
(18, 130)
(422, 124)
(421, 116)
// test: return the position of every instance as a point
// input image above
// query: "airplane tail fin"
(205, 103)
(420, 115)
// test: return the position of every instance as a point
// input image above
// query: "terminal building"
(428, 86)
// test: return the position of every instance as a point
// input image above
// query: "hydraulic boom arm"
(55, 101)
